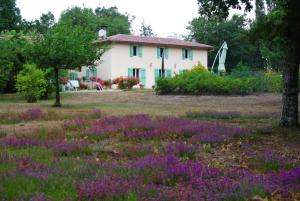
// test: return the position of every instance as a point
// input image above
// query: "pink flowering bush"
(126, 82)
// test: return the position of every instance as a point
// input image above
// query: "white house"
(141, 57)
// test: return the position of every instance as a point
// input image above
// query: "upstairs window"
(187, 54)
(136, 50)
(161, 51)
(134, 47)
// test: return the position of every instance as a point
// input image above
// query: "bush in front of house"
(199, 81)
(83, 86)
(31, 83)
(107, 83)
(126, 82)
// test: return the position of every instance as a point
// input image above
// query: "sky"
(166, 17)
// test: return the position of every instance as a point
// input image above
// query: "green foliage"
(14, 53)
(146, 30)
(113, 20)
(9, 15)
(41, 25)
(214, 31)
(31, 83)
(197, 82)
(66, 46)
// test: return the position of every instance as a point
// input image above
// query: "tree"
(9, 15)
(40, 26)
(83, 17)
(14, 53)
(66, 47)
(146, 30)
(31, 83)
(113, 20)
(286, 26)
(259, 8)
(215, 31)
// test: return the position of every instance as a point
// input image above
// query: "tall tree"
(259, 8)
(215, 31)
(113, 20)
(66, 47)
(288, 28)
(146, 30)
(14, 52)
(40, 26)
(9, 15)
(83, 17)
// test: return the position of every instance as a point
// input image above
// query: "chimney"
(194, 40)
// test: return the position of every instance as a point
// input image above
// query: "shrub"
(200, 81)
(31, 83)
(83, 86)
(126, 82)
(107, 83)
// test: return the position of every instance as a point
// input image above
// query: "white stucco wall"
(116, 61)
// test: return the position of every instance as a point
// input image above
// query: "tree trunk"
(289, 113)
(57, 96)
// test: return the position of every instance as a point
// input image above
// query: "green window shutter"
(131, 50)
(158, 52)
(191, 54)
(130, 72)
(168, 73)
(140, 50)
(87, 73)
(156, 74)
(183, 54)
(75, 76)
(95, 72)
(143, 76)
(167, 53)
(181, 71)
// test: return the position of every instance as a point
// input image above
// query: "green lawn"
(68, 153)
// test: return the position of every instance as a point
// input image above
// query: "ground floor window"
(158, 73)
(136, 72)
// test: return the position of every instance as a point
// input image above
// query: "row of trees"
(276, 28)
(245, 37)
(53, 46)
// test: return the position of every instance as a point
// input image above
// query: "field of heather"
(137, 146)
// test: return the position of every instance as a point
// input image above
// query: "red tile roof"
(122, 38)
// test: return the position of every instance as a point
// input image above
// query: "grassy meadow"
(135, 145)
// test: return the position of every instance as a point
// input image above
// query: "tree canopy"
(282, 22)
(10, 17)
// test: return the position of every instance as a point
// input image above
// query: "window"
(136, 72)
(134, 50)
(187, 54)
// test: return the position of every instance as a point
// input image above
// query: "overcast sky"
(164, 16)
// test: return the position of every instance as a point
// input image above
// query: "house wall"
(116, 61)
(121, 61)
